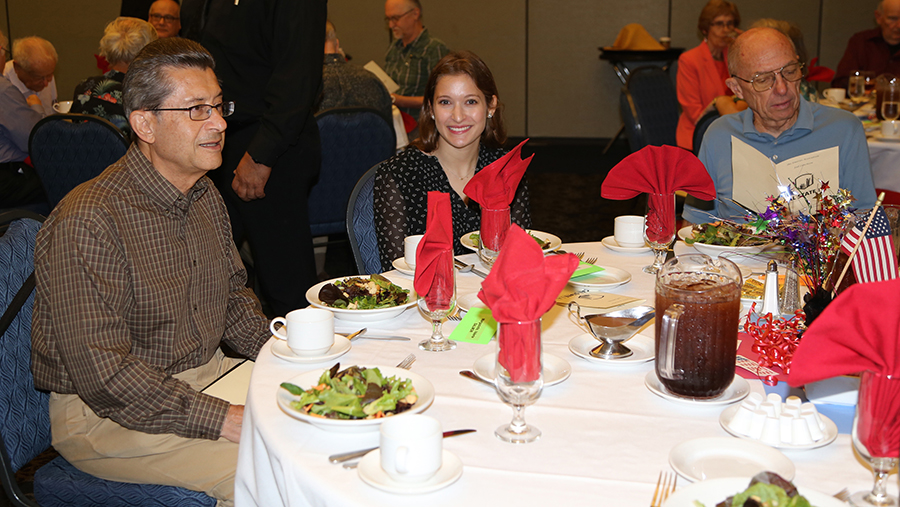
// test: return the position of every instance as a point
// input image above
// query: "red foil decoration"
(775, 340)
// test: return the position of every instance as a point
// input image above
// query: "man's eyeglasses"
(395, 19)
(723, 24)
(202, 112)
(764, 81)
(167, 19)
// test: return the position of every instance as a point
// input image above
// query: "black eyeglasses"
(764, 81)
(394, 19)
(7, 52)
(167, 19)
(202, 112)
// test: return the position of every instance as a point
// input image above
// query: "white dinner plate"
(736, 391)
(312, 295)
(371, 473)
(401, 266)
(715, 457)
(341, 346)
(609, 277)
(424, 389)
(610, 242)
(469, 301)
(831, 431)
(553, 369)
(713, 491)
(685, 232)
(642, 346)
(554, 241)
(878, 136)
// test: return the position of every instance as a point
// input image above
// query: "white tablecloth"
(605, 435)
(884, 157)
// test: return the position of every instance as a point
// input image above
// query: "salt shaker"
(770, 293)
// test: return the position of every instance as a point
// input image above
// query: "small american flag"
(874, 260)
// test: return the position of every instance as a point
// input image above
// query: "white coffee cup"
(890, 129)
(629, 231)
(411, 447)
(309, 332)
(63, 106)
(410, 244)
(835, 94)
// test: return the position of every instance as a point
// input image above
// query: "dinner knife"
(384, 337)
(338, 458)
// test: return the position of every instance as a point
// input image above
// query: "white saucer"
(401, 266)
(341, 346)
(610, 242)
(877, 135)
(554, 369)
(715, 457)
(609, 277)
(831, 431)
(468, 301)
(736, 391)
(371, 473)
(643, 347)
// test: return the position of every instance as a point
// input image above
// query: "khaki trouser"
(105, 449)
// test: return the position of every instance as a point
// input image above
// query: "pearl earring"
(432, 117)
(490, 115)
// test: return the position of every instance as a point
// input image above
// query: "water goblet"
(857, 86)
(439, 302)
(660, 229)
(494, 225)
(520, 390)
(874, 434)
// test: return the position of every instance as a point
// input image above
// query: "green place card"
(585, 269)
(478, 326)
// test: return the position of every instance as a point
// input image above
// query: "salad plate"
(341, 346)
(642, 346)
(546, 237)
(736, 391)
(401, 266)
(469, 301)
(714, 457)
(686, 233)
(553, 369)
(713, 491)
(371, 473)
(609, 277)
(610, 242)
(424, 390)
(831, 432)
(356, 315)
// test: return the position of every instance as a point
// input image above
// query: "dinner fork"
(591, 260)
(407, 362)
(843, 495)
(665, 485)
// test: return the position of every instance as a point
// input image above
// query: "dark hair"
(455, 63)
(712, 10)
(147, 83)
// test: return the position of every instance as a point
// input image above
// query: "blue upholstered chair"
(702, 125)
(24, 413)
(649, 106)
(353, 139)
(361, 224)
(69, 149)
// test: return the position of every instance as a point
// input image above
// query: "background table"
(605, 435)
(884, 157)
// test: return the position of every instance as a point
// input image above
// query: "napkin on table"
(494, 187)
(521, 287)
(636, 38)
(434, 255)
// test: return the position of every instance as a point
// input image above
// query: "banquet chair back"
(69, 149)
(361, 224)
(353, 140)
(700, 128)
(649, 107)
(24, 410)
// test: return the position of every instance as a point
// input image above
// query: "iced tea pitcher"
(698, 303)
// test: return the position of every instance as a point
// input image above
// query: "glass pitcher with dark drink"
(698, 304)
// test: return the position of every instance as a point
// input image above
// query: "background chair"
(702, 125)
(69, 149)
(361, 224)
(24, 411)
(353, 140)
(649, 107)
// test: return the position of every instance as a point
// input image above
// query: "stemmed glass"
(437, 304)
(520, 393)
(875, 437)
(857, 86)
(660, 229)
(494, 225)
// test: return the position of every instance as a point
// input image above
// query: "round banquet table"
(606, 437)
(884, 158)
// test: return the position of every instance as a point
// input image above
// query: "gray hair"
(330, 33)
(29, 52)
(734, 50)
(124, 37)
(148, 83)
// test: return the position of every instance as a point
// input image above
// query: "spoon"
(471, 374)
(351, 336)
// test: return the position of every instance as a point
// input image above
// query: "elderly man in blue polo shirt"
(780, 124)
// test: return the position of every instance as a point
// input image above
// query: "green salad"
(476, 240)
(358, 293)
(717, 233)
(354, 393)
(766, 489)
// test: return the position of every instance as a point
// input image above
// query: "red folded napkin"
(434, 255)
(494, 187)
(521, 287)
(659, 171)
(819, 72)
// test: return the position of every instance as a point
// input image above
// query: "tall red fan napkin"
(521, 287)
(853, 335)
(434, 255)
(659, 171)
